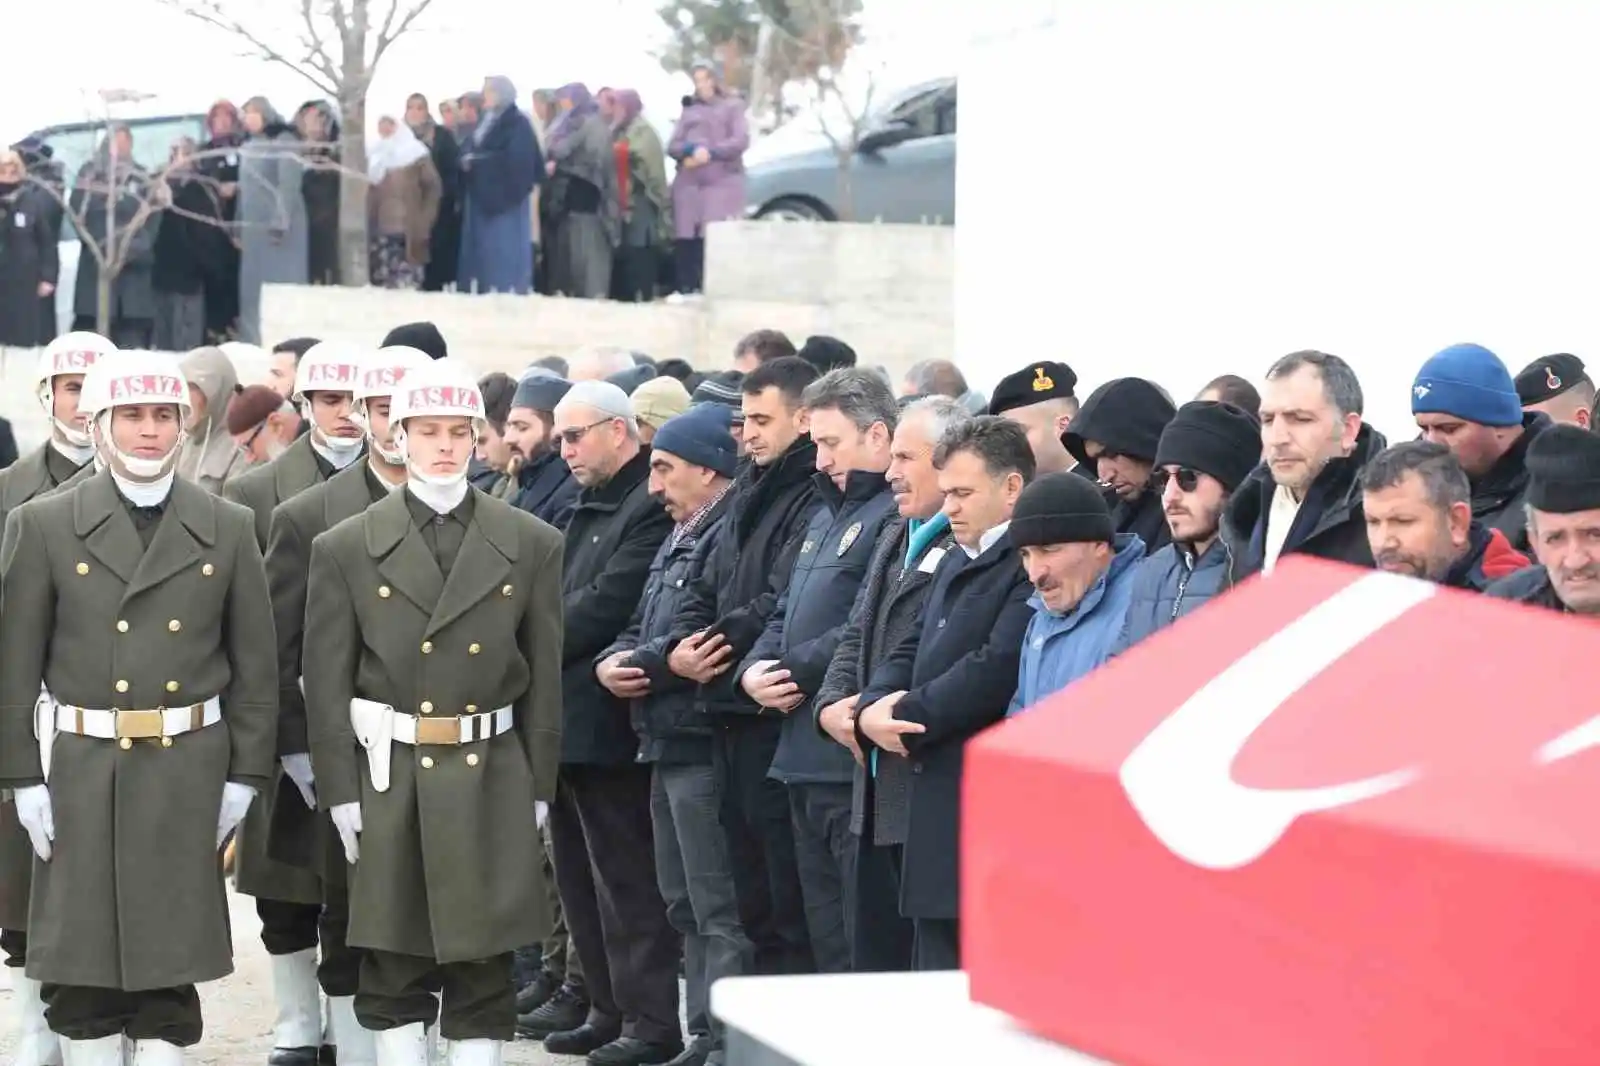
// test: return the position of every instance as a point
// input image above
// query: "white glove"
(347, 820)
(541, 813)
(236, 799)
(298, 768)
(37, 817)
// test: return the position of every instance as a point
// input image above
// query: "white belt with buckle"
(117, 724)
(451, 728)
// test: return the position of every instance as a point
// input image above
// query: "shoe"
(297, 1030)
(36, 1044)
(355, 1044)
(631, 1051)
(293, 1056)
(328, 1054)
(563, 1011)
(582, 1040)
(698, 1053)
(537, 992)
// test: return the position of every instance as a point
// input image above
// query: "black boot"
(536, 993)
(566, 1010)
(292, 1056)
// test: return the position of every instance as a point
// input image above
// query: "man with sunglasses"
(1115, 435)
(1205, 453)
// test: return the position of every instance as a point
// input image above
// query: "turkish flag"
(1336, 817)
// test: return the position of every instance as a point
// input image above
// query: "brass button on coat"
(383, 592)
(472, 708)
(427, 762)
(122, 686)
(83, 568)
(472, 760)
(427, 707)
(174, 625)
(166, 742)
(208, 570)
(473, 649)
(427, 647)
(505, 590)
(122, 625)
(125, 743)
(172, 686)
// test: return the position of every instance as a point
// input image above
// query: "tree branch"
(211, 13)
(316, 51)
(392, 31)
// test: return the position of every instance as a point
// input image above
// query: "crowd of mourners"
(723, 734)
(574, 196)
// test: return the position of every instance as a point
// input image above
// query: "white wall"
(1182, 190)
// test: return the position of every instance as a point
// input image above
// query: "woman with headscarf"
(502, 164)
(444, 243)
(272, 212)
(128, 243)
(645, 201)
(402, 204)
(318, 127)
(709, 145)
(187, 250)
(583, 198)
(218, 165)
(28, 261)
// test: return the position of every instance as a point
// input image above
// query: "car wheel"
(794, 209)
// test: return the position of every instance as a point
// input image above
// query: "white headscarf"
(400, 149)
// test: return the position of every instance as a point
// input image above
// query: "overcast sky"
(141, 45)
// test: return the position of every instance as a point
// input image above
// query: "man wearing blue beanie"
(1465, 398)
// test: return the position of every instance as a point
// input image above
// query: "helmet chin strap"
(144, 482)
(442, 493)
(69, 440)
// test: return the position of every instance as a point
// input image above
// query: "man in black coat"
(692, 463)
(954, 677)
(720, 621)
(600, 822)
(852, 416)
(888, 610)
(1115, 435)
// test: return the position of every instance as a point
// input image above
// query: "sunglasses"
(577, 433)
(1188, 480)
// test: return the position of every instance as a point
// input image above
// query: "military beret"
(1036, 383)
(1545, 379)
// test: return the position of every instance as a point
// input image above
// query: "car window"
(931, 112)
(152, 140)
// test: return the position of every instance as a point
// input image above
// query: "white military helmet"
(131, 379)
(73, 353)
(327, 367)
(440, 389)
(384, 370)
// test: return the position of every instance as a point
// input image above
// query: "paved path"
(238, 1009)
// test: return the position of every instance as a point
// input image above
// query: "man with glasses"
(1204, 454)
(262, 424)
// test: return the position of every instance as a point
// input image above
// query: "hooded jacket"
(1125, 416)
(209, 455)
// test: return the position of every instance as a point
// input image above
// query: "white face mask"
(69, 440)
(340, 452)
(443, 493)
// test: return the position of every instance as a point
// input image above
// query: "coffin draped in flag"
(1336, 817)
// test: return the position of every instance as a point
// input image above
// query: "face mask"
(76, 454)
(339, 451)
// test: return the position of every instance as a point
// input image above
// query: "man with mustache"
(541, 484)
(1205, 453)
(1115, 435)
(1563, 525)
(1418, 505)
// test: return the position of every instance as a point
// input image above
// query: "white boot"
(299, 1000)
(405, 1045)
(156, 1053)
(36, 1044)
(355, 1044)
(475, 1052)
(103, 1051)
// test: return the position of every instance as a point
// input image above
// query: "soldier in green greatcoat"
(58, 380)
(289, 898)
(432, 658)
(298, 835)
(138, 713)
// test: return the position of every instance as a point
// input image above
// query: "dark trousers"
(633, 273)
(696, 878)
(339, 968)
(880, 938)
(825, 855)
(79, 1013)
(288, 927)
(605, 864)
(937, 944)
(14, 942)
(477, 1001)
(689, 263)
(755, 816)
(558, 954)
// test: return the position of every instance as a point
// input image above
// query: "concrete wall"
(886, 290)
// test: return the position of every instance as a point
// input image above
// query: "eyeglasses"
(1188, 480)
(576, 433)
(244, 445)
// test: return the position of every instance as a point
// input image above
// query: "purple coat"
(713, 192)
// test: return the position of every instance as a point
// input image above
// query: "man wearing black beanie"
(1115, 434)
(1081, 570)
(1563, 466)
(1204, 454)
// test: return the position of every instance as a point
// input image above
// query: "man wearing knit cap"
(1040, 399)
(1419, 520)
(1205, 453)
(692, 465)
(261, 423)
(1306, 496)
(1082, 573)
(656, 402)
(604, 851)
(423, 336)
(1563, 524)
(1464, 398)
(1559, 386)
(540, 482)
(1115, 435)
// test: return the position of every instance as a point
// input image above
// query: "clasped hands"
(877, 723)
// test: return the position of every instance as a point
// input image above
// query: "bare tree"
(336, 46)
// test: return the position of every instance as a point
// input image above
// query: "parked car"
(903, 169)
(74, 144)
